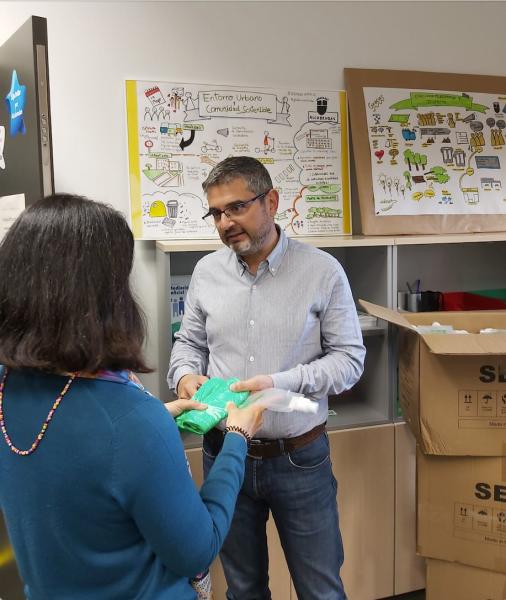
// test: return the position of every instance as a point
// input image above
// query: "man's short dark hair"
(250, 169)
(65, 298)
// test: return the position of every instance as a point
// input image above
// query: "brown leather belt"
(266, 448)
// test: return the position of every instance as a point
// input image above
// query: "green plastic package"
(216, 394)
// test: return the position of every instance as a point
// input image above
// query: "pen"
(409, 287)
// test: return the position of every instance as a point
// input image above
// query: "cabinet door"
(409, 568)
(363, 464)
(279, 576)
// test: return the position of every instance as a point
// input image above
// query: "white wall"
(95, 46)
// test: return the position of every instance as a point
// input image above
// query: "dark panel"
(28, 156)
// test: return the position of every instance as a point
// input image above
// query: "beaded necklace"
(39, 437)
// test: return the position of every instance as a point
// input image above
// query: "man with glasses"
(276, 313)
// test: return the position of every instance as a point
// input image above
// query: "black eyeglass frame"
(216, 213)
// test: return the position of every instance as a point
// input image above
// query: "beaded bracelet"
(240, 430)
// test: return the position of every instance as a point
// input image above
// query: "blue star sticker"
(15, 101)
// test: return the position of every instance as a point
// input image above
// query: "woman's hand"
(181, 405)
(249, 418)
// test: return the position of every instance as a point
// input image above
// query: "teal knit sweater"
(105, 508)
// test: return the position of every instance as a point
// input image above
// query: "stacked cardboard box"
(453, 581)
(452, 390)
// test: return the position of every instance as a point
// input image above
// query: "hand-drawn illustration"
(446, 149)
(177, 132)
(16, 100)
(2, 142)
(179, 285)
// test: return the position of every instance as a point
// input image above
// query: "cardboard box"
(452, 388)
(450, 581)
(461, 510)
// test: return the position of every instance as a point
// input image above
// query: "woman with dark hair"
(94, 484)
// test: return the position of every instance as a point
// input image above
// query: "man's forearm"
(331, 374)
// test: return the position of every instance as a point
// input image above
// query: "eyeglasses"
(236, 209)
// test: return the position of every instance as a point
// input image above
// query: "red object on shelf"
(469, 301)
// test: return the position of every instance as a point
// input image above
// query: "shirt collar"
(275, 257)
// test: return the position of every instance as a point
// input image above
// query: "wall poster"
(429, 150)
(177, 132)
(437, 152)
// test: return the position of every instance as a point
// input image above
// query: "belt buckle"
(255, 444)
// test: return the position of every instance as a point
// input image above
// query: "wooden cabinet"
(409, 569)
(362, 462)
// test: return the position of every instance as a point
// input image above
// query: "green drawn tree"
(438, 174)
(407, 176)
(409, 158)
(420, 160)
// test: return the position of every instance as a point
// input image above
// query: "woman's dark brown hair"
(65, 298)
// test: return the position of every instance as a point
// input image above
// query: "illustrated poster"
(179, 285)
(177, 132)
(436, 152)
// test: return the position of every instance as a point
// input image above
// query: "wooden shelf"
(353, 412)
(345, 241)
(370, 331)
(455, 238)
(188, 245)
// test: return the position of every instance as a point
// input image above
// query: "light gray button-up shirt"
(295, 320)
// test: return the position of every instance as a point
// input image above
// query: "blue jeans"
(300, 491)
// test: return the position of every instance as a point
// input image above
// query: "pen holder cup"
(402, 300)
(413, 301)
(419, 301)
(409, 301)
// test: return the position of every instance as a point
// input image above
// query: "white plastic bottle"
(279, 400)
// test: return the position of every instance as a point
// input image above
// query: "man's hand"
(254, 384)
(177, 407)
(189, 384)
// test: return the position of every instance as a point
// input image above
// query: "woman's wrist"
(239, 430)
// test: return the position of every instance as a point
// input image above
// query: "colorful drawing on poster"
(179, 285)
(15, 101)
(177, 132)
(2, 142)
(436, 152)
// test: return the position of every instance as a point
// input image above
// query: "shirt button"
(252, 322)
(252, 359)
